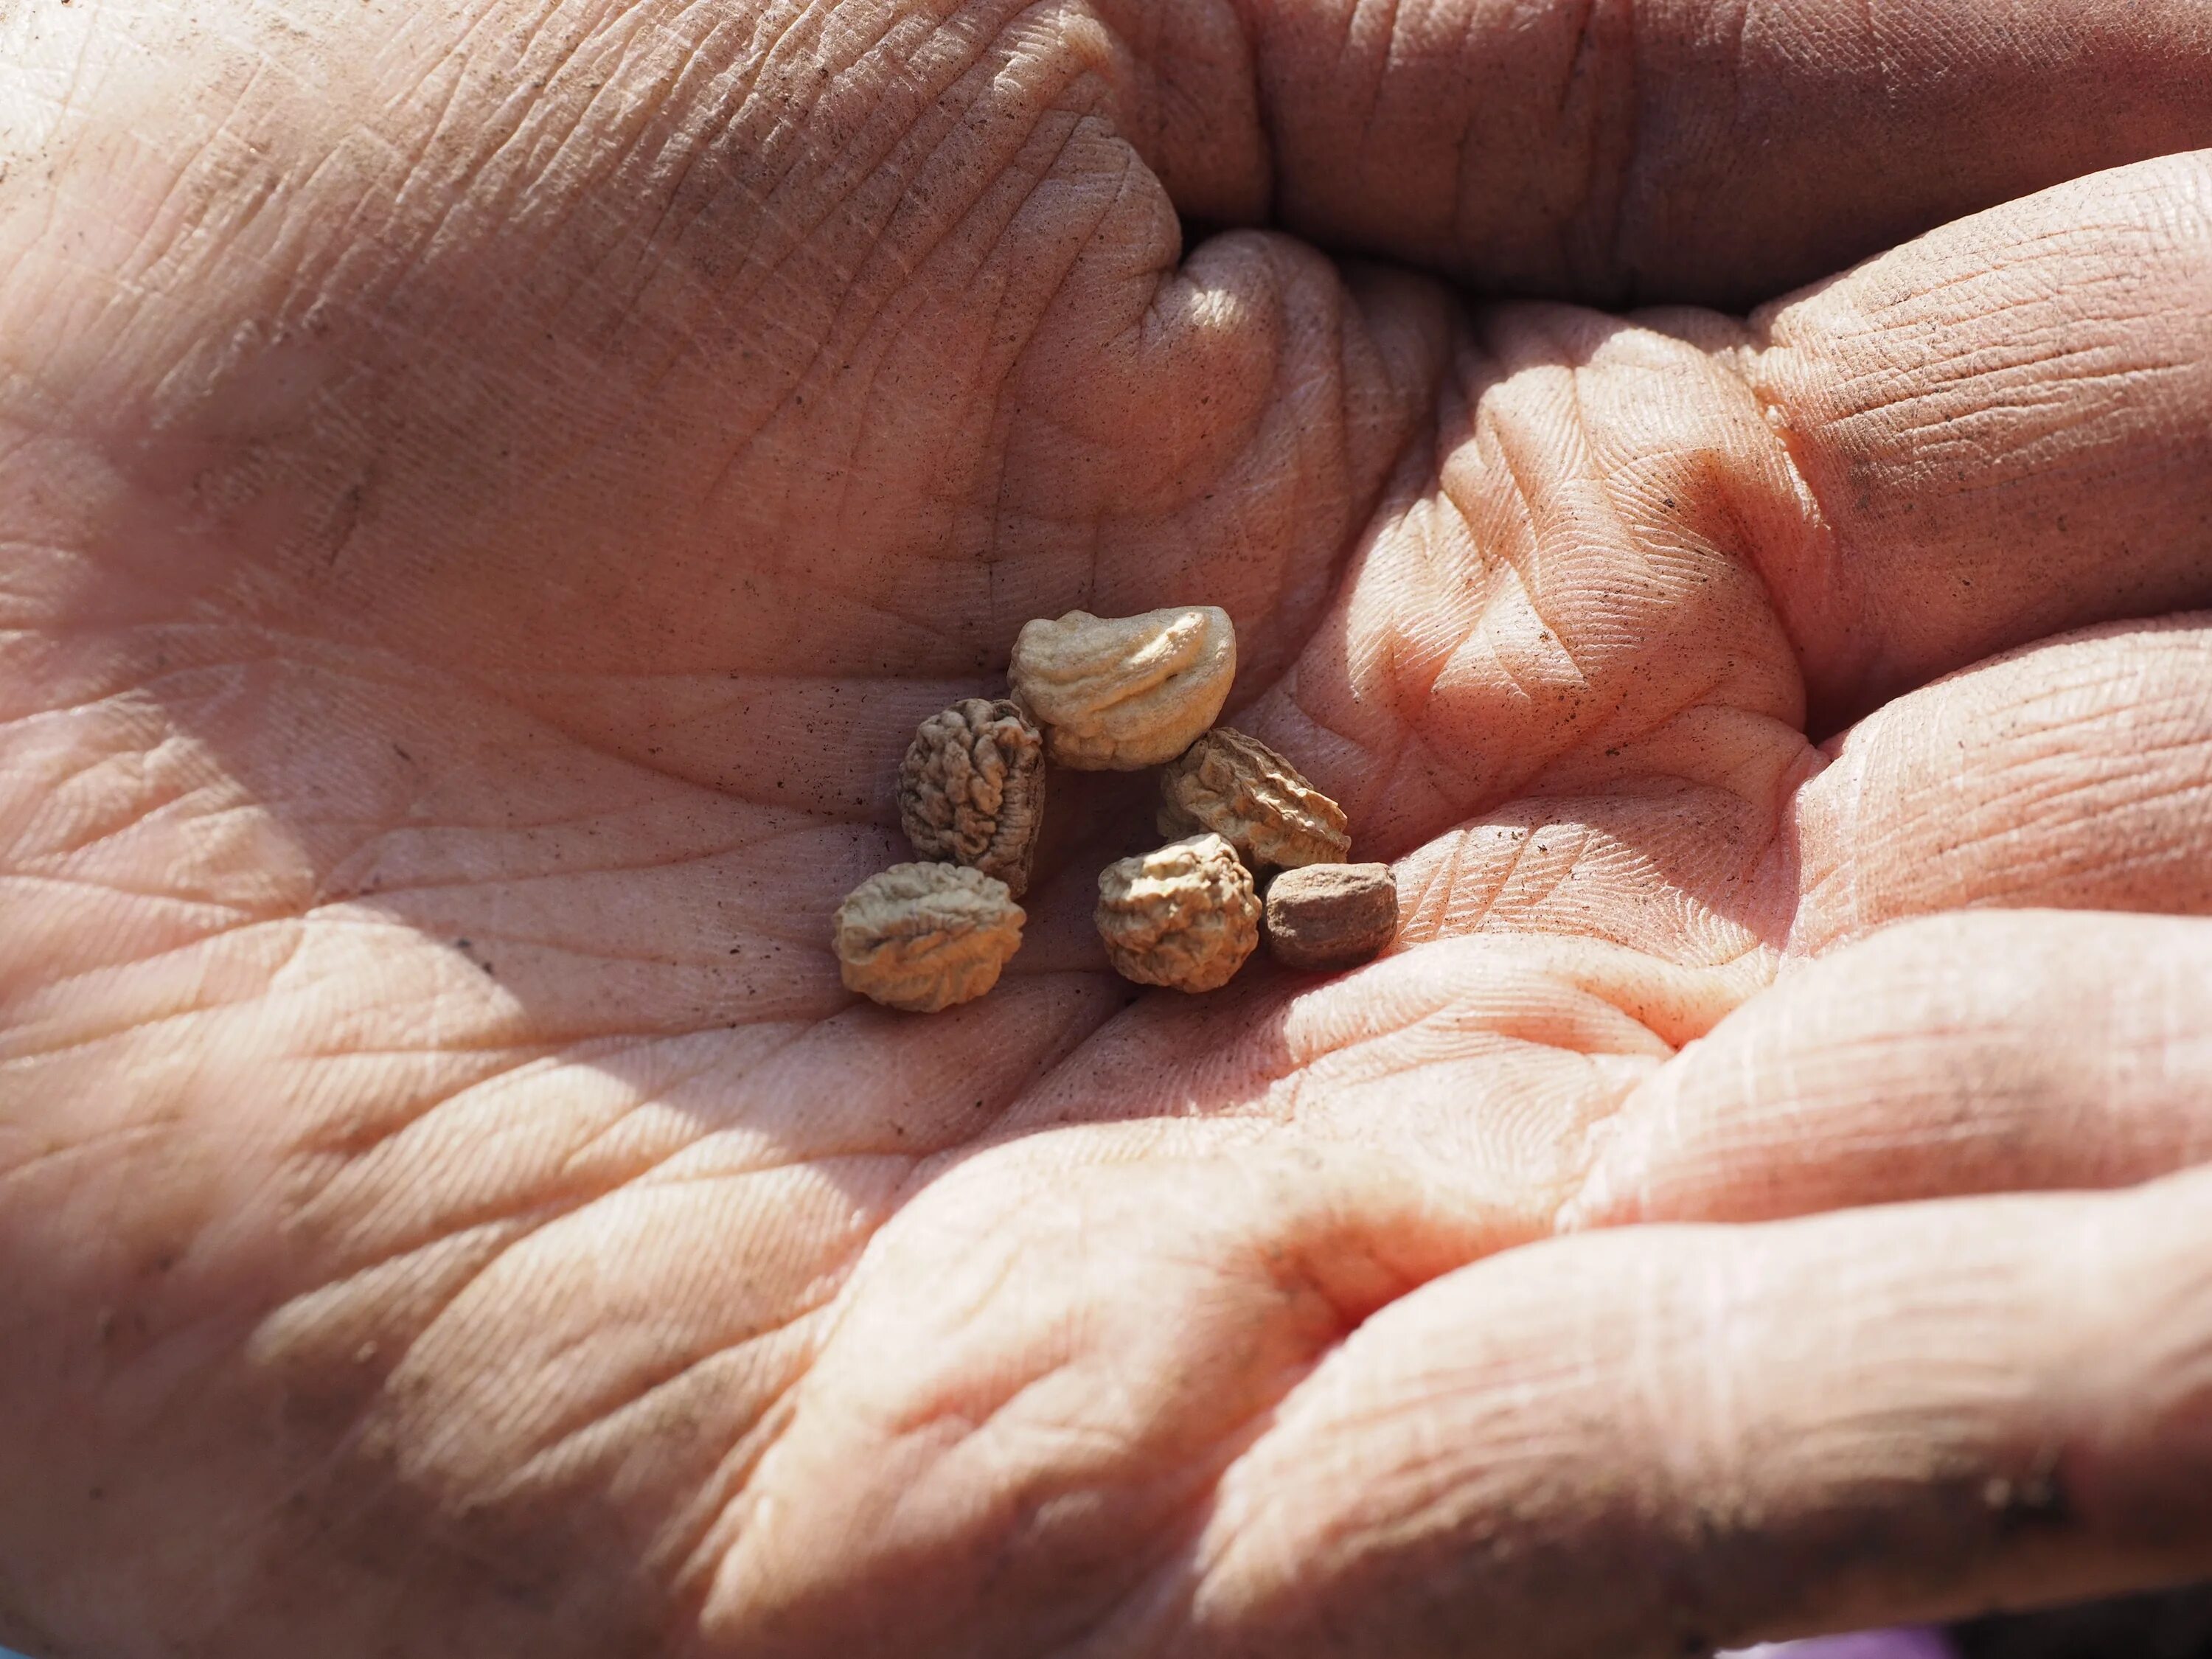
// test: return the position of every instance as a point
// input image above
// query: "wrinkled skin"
(487, 490)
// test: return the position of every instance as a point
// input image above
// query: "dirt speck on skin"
(2037, 1499)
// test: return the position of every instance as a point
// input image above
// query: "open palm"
(488, 492)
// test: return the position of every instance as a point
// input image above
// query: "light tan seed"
(1184, 915)
(1241, 789)
(923, 937)
(1122, 693)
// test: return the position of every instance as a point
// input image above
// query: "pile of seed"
(1254, 850)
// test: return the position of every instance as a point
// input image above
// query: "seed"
(1325, 918)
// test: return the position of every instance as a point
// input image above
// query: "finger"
(1976, 1053)
(1681, 150)
(2076, 775)
(1038, 1372)
(2003, 430)
(1874, 1416)
(1606, 151)
(1980, 1052)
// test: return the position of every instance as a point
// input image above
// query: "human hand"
(489, 491)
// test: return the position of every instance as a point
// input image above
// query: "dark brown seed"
(971, 790)
(1323, 918)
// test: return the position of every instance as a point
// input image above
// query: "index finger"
(1673, 149)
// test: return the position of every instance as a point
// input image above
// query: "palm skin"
(488, 496)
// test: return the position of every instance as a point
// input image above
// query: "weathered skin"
(487, 490)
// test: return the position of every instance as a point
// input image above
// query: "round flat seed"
(1323, 918)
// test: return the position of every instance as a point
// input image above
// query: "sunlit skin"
(487, 491)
